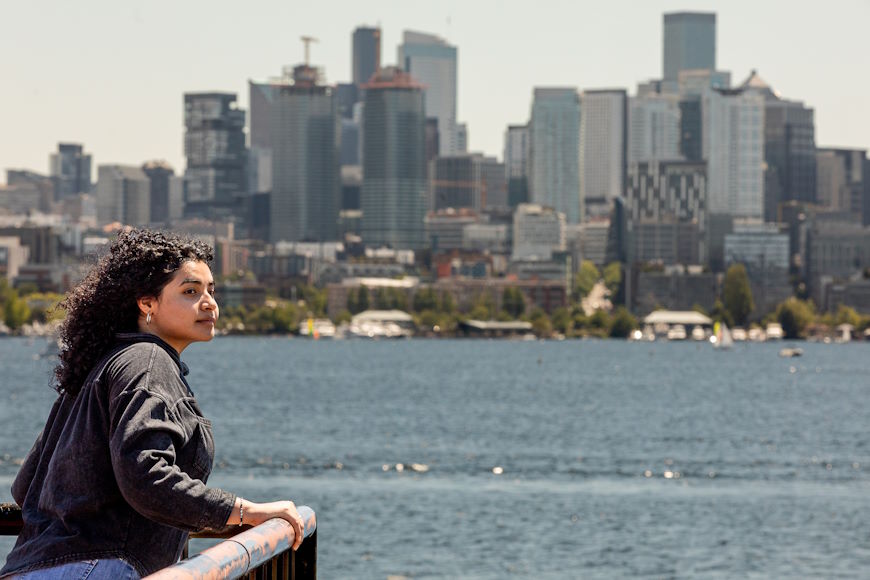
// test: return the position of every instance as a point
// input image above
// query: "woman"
(118, 475)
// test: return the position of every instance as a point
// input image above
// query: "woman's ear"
(146, 304)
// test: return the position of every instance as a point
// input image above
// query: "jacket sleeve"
(28, 469)
(145, 436)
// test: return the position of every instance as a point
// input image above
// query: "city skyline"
(126, 68)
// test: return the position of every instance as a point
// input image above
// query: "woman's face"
(186, 310)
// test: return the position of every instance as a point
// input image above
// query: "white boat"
(721, 338)
(677, 332)
(774, 331)
(738, 334)
(698, 333)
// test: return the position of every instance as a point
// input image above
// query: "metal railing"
(257, 553)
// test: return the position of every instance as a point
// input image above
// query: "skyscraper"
(432, 62)
(123, 195)
(159, 175)
(517, 158)
(306, 173)
(555, 151)
(366, 53)
(468, 180)
(733, 146)
(70, 170)
(603, 142)
(393, 195)
(214, 144)
(689, 43)
(654, 128)
(789, 149)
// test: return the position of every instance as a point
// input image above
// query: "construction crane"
(307, 40)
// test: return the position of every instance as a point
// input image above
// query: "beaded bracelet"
(241, 512)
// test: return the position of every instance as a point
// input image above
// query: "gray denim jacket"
(120, 470)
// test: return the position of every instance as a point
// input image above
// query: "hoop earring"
(148, 318)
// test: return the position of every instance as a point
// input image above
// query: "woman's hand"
(257, 513)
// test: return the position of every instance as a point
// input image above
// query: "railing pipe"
(245, 552)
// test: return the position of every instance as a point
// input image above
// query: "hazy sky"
(111, 74)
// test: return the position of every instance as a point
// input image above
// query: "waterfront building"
(838, 247)
(431, 61)
(603, 142)
(666, 212)
(70, 169)
(123, 195)
(469, 180)
(763, 248)
(159, 175)
(555, 151)
(13, 255)
(366, 56)
(393, 197)
(517, 160)
(444, 228)
(489, 238)
(733, 146)
(789, 149)
(214, 145)
(689, 43)
(538, 231)
(844, 181)
(306, 171)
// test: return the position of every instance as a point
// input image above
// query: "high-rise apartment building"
(160, 176)
(123, 195)
(469, 180)
(654, 128)
(603, 143)
(433, 62)
(691, 86)
(666, 212)
(306, 171)
(366, 53)
(538, 232)
(689, 43)
(70, 170)
(214, 144)
(393, 196)
(789, 149)
(517, 159)
(733, 146)
(555, 151)
(844, 181)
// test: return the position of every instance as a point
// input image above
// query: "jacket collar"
(131, 337)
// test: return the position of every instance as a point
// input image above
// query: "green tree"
(15, 312)
(483, 307)
(613, 278)
(358, 299)
(847, 315)
(541, 324)
(720, 314)
(794, 316)
(285, 318)
(586, 279)
(561, 320)
(599, 322)
(513, 302)
(425, 299)
(447, 303)
(737, 294)
(622, 323)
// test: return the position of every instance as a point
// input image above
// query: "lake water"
(574, 459)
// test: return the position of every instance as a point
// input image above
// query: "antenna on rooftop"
(307, 40)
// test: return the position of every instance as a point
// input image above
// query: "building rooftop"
(684, 317)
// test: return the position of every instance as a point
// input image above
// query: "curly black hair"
(139, 263)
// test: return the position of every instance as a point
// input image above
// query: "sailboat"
(721, 336)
